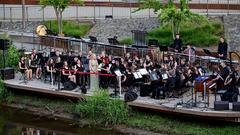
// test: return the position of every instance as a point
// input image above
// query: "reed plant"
(102, 109)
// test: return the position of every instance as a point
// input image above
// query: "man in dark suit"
(177, 44)
(222, 49)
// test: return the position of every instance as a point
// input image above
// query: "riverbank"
(138, 123)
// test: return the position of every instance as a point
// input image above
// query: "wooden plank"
(160, 108)
(45, 91)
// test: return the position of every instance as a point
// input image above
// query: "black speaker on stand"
(6, 72)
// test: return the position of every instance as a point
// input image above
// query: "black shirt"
(222, 49)
(177, 44)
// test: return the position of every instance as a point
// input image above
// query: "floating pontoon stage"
(179, 106)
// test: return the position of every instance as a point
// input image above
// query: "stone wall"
(17, 26)
(232, 32)
(121, 28)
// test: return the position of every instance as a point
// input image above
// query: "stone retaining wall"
(121, 28)
(232, 32)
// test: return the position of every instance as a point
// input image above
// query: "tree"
(175, 16)
(156, 5)
(170, 14)
(59, 6)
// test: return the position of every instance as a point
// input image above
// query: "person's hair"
(48, 62)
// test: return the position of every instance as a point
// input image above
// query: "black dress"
(79, 77)
(22, 66)
(65, 77)
(222, 49)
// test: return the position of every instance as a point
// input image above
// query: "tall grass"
(102, 109)
(204, 34)
(70, 28)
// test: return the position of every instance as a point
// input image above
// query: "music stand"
(154, 76)
(118, 76)
(93, 39)
(207, 52)
(113, 41)
(153, 42)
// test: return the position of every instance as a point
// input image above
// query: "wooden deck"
(174, 106)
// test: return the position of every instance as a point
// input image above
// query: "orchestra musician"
(50, 68)
(67, 75)
(104, 69)
(24, 69)
(33, 65)
(222, 49)
(221, 76)
(79, 77)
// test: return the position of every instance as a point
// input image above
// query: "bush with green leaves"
(4, 93)
(102, 109)
(204, 34)
(126, 41)
(12, 58)
(70, 28)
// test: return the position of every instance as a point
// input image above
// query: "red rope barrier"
(74, 71)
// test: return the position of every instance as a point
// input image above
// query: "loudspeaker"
(145, 90)
(130, 96)
(4, 44)
(221, 105)
(69, 85)
(236, 106)
(7, 73)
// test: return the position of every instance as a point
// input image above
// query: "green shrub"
(12, 58)
(204, 34)
(126, 41)
(70, 28)
(4, 93)
(102, 109)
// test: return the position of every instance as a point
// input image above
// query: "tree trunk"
(173, 33)
(61, 23)
(58, 19)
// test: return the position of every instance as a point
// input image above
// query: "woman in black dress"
(24, 69)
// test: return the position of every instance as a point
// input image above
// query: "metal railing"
(35, 12)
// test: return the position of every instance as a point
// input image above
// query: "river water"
(18, 122)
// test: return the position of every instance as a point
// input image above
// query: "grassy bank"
(204, 34)
(159, 123)
(70, 28)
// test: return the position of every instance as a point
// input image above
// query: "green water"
(18, 122)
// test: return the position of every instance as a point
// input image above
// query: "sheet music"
(137, 75)
(118, 73)
(164, 76)
(143, 71)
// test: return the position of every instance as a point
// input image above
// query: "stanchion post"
(59, 76)
(120, 86)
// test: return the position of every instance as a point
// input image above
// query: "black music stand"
(153, 42)
(207, 52)
(93, 39)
